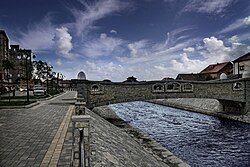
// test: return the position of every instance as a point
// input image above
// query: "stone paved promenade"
(35, 136)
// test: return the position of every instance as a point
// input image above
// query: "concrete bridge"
(233, 95)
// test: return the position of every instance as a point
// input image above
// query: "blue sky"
(114, 39)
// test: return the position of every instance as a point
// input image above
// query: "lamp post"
(59, 76)
(48, 68)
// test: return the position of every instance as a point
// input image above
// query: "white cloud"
(103, 46)
(207, 6)
(63, 42)
(246, 20)
(187, 65)
(157, 64)
(188, 49)
(238, 24)
(234, 39)
(215, 50)
(212, 51)
(113, 31)
(38, 37)
(84, 19)
(59, 62)
(143, 51)
(138, 48)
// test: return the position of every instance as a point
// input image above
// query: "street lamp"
(48, 68)
(59, 76)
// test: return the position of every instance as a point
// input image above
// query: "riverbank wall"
(204, 106)
(116, 143)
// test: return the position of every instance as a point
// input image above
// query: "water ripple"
(199, 139)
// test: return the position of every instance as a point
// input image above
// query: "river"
(198, 139)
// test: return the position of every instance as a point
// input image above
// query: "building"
(191, 77)
(131, 79)
(214, 71)
(17, 56)
(4, 48)
(240, 64)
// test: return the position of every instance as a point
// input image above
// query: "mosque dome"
(81, 75)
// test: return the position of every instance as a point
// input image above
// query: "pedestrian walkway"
(27, 135)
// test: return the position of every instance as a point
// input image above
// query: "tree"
(7, 65)
(40, 71)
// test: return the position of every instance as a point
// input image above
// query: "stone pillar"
(82, 91)
(80, 108)
(82, 147)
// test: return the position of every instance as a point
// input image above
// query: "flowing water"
(198, 139)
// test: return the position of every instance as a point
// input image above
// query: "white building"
(241, 64)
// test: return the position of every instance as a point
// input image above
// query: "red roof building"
(215, 70)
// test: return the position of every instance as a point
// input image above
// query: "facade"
(16, 55)
(240, 64)
(214, 71)
(66, 84)
(4, 48)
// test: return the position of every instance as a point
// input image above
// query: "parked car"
(22, 89)
(39, 90)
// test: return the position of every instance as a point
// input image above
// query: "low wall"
(205, 106)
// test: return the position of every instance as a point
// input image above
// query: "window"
(95, 88)
(242, 68)
(237, 86)
(158, 88)
(173, 87)
(188, 87)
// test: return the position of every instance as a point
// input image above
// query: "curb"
(48, 98)
(20, 107)
(30, 105)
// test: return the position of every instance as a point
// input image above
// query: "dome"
(223, 76)
(81, 75)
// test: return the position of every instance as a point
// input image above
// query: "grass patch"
(15, 103)
(23, 97)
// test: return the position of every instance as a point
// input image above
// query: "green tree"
(7, 65)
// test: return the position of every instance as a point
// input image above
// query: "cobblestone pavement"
(26, 134)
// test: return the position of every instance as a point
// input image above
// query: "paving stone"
(28, 133)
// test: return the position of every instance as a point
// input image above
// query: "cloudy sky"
(114, 39)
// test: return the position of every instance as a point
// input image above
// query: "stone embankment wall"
(123, 145)
(205, 106)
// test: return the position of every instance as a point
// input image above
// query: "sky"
(115, 39)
